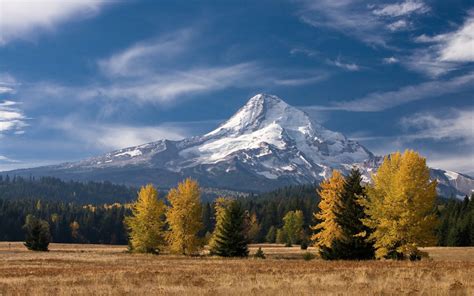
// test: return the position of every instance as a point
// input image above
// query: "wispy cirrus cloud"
(402, 8)
(390, 60)
(444, 52)
(7, 83)
(139, 58)
(12, 118)
(453, 124)
(344, 65)
(21, 19)
(151, 71)
(368, 23)
(379, 101)
(166, 87)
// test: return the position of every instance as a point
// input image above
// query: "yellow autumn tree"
(400, 206)
(184, 218)
(328, 229)
(146, 223)
(220, 206)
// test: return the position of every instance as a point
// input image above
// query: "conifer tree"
(220, 206)
(38, 235)
(400, 206)
(327, 230)
(145, 225)
(230, 238)
(184, 218)
(352, 244)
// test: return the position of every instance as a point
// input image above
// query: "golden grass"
(109, 270)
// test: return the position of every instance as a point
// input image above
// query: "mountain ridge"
(266, 144)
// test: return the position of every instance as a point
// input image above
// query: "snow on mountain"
(264, 145)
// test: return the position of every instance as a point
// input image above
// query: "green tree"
(271, 235)
(400, 206)
(230, 237)
(38, 235)
(281, 236)
(184, 218)
(293, 226)
(349, 212)
(146, 225)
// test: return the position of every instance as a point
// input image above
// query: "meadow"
(73, 269)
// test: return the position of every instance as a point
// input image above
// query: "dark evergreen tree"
(230, 237)
(37, 234)
(351, 246)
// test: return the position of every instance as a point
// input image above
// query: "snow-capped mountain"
(266, 144)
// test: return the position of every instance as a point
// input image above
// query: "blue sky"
(79, 78)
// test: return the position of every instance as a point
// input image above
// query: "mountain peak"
(263, 98)
(262, 110)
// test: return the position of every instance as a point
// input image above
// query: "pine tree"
(145, 225)
(184, 218)
(400, 206)
(230, 237)
(38, 235)
(293, 226)
(220, 206)
(327, 230)
(349, 213)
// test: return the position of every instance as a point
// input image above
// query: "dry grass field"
(109, 270)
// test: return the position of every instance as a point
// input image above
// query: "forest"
(77, 221)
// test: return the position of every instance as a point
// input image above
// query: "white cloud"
(346, 16)
(19, 19)
(402, 9)
(398, 25)
(379, 101)
(6, 89)
(449, 125)
(11, 117)
(305, 51)
(107, 136)
(306, 79)
(165, 87)
(390, 60)
(139, 58)
(346, 66)
(4, 159)
(463, 162)
(371, 24)
(446, 52)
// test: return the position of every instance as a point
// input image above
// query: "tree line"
(343, 215)
(54, 189)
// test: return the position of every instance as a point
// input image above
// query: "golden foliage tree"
(184, 217)
(400, 206)
(253, 226)
(220, 206)
(146, 223)
(328, 229)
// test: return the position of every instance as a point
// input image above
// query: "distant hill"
(54, 189)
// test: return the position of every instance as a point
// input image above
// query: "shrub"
(38, 235)
(308, 256)
(260, 254)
